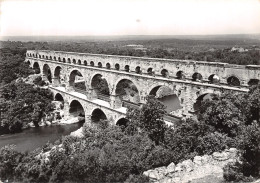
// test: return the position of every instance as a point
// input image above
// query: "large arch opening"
(167, 96)
(122, 122)
(200, 99)
(253, 82)
(77, 81)
(98, 115)
(100, 85)
(196, 77)
(233, 81)
(214, 79)
(59, 98)
(36, 68)
(77, 110)
(47, 72)
(57, 75)
(127, 91)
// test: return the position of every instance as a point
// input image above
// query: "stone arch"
(69, 61)
(253, 82)
(54, 58)
(47, 72)
(122, 122)
(165, 73)
(233, 81)
(76, 109)
(74, 61)
(92, 64)
(108, 66)
(97, 114)
(99, 64)
(117, 66)
(200, 98)
(127, 68)
(40, 56)
(127, 90)
(79, 62)
(77, 81)
(36, 68)
(138, 70)
(57, 75)
(50, 57)
(180, 75)
(47, 57)
(28, 62)
(213, 78)
(196, 77)
(99, 84)
(64, 60)
(59, 97)
(85, 63)
(167, 96)
(43, 56)
(150, 71)
(59, 59)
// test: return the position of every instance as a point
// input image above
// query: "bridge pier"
(115, 101)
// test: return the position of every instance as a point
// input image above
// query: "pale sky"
(128, 17)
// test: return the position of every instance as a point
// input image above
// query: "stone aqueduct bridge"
(187, 79)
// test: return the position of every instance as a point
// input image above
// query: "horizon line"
(138, 35)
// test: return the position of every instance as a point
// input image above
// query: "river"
(33, 138)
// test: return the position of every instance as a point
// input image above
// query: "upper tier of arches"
(197, 75)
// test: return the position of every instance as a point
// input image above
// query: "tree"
(149, 118)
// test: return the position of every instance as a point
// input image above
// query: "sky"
(128, 17)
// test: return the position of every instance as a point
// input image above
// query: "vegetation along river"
(33, 138)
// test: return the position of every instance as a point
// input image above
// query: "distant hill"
(132, 37)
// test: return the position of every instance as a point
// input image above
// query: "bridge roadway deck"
(157, 77)
(169, 119)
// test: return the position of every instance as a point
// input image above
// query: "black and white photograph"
(129, 91)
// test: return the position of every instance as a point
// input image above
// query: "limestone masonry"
(189, 80)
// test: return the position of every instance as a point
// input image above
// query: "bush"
(9, 160)
(233, 172)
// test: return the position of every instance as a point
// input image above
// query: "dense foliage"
(117, 154)
(12, 65)
(21, 104)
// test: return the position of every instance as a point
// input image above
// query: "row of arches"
(232, 80)
(212, 79)
(76, 109)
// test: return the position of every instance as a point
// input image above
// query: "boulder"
(153, 174)
(171, 168)
(178, 167)
(206, 159)
(197, 160)
(220, 156)
(188, 165)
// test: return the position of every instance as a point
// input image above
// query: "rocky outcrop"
(200, 166)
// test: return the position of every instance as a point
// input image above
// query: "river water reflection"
(33, 138)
